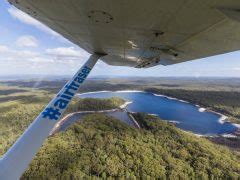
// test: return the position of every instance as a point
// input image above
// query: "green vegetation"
(100, 146)
(20, 106)
(17, 110)
(218, 94)
(93, 104)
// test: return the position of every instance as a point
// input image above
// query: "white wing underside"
(140, 33)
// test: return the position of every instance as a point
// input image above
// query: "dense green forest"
(18, 108)
(101, 146)
(94, 104)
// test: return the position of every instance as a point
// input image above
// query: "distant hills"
(59, 77)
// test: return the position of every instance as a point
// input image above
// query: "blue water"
(188, 115)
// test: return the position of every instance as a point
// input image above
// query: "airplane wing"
(140, 33)
(128, 33)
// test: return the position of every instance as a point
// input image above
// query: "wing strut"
(16, 160)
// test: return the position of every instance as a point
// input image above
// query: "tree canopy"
(101, 146)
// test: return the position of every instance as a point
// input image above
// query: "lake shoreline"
(65, 118)
(223, 118)
(217, 139)
(123, 107)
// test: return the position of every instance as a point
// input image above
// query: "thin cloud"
(67, 53)
(236, 69)
(57, 61)
(62, 55)
(3, 49)
(25, 18)
(11, 54)
(27, 41)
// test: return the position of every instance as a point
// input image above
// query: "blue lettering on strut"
(63, 99)
(51, 113)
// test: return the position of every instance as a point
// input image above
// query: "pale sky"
(29, 47)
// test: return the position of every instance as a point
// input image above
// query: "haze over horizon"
(28, 47)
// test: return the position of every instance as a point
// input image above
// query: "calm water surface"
(188, 115)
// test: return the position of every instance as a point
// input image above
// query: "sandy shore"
(201, 109)
(123, 91)
(93, 92)
(236, 125)
(126, 91)
(221, 120)
(125, 104)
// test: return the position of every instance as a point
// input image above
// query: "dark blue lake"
(188, 115)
